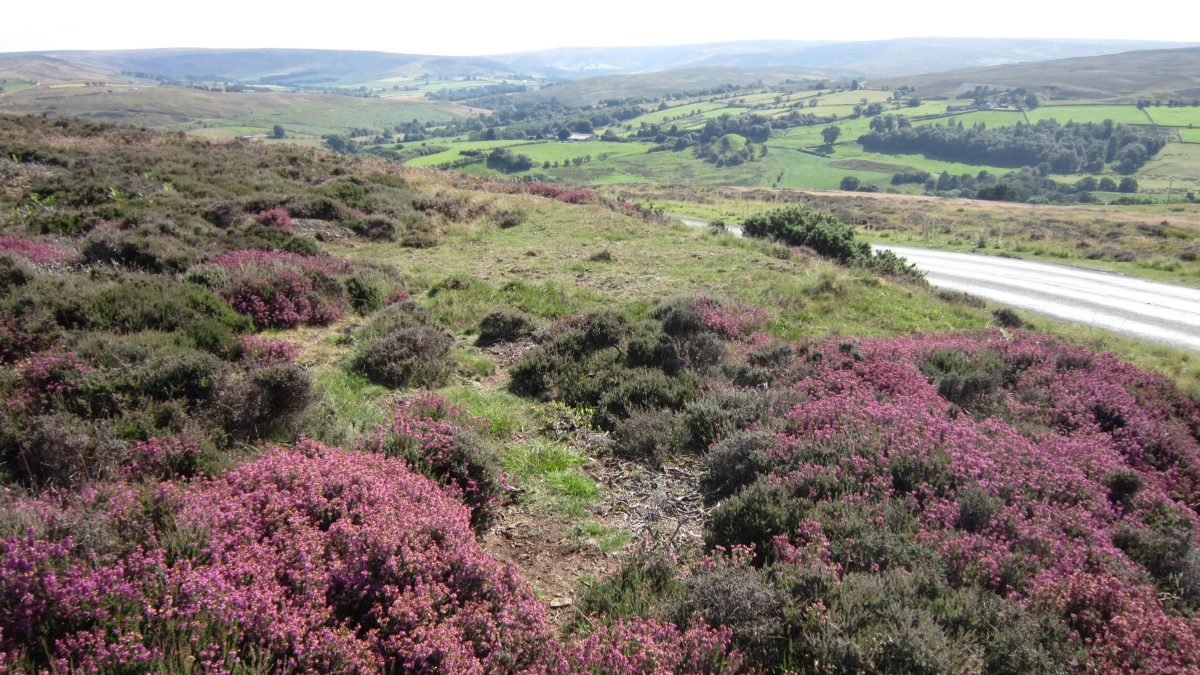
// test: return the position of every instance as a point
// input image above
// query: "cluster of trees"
(507, 161)
(729, 150)
(1027, 185)
(468, 93)
(1064, 148)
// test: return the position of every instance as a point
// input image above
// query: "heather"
(308, 559)
(402, 429)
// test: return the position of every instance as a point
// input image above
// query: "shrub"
(163, 458)
(976, 508)
(276, 218)
(735, 462)
(971, 381)
(59, 450)
(503, 326)
(508, 219)
(282, 290)
(439, 440)
(257, 350)
(645, 436)
(642, 389)
(267, 402)
(711, 418)
(184, 374)
(736, 597)
(372, 548)
(754, 517)
(36, 252)
(419, 356)
(224, 214)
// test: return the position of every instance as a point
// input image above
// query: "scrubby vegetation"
(219, 450)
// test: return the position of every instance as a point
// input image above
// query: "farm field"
(1120, 114)
(1175, 117)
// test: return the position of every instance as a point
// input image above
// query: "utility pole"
(1170, 184)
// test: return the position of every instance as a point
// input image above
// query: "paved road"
(1143, 309)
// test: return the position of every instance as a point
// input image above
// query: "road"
(1143, 309)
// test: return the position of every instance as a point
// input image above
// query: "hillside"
(1124, 77)
(279, 66)
(338, 414)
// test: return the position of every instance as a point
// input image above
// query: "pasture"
(1120, 114)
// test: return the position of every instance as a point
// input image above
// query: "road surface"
(1143, 309)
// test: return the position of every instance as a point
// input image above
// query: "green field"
(1177, 166)
(1120, 114)
(454, 153)
(991, 118)
(1175, 117)
(672, 115)
(1190, 135)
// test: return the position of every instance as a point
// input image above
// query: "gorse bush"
(825, 234)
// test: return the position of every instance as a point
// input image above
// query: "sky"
(467, 27)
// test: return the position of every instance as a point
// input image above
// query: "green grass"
(559, 151)
(507, 415)
(590, 535)
(355, 403)
(551, 476)
(454, 153)
(1175, 117)
(1177, 165)
(672, 114)
(1120, 114)
(1190, 135)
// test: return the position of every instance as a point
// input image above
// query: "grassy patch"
(551, 476)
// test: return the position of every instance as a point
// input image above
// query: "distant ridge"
(868, 59)
(1158, 73)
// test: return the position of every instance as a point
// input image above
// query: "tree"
(1128, 185)
(1107, 185)
(278, 132)
(830, 134)
(564, 133)
(850, 184)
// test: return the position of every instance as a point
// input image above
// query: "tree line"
(1065, 148)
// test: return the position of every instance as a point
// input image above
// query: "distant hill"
(872, 59)
(1158, 73)
(270, 66)
(48, 69)
(877, 58)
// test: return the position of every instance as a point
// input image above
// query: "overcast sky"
(462, 27)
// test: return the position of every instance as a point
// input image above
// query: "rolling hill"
(1124, 76)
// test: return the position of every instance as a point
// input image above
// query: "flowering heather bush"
(339, 561)
(37, 252)
(439, 440)
(283, 290)
(276, 218)
(576, 196)
(43, 379)
(264, 351)
(1026, 504)
(162, 458)
(312, 559)
(651, 646)
(730, 320)
(571, 196)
